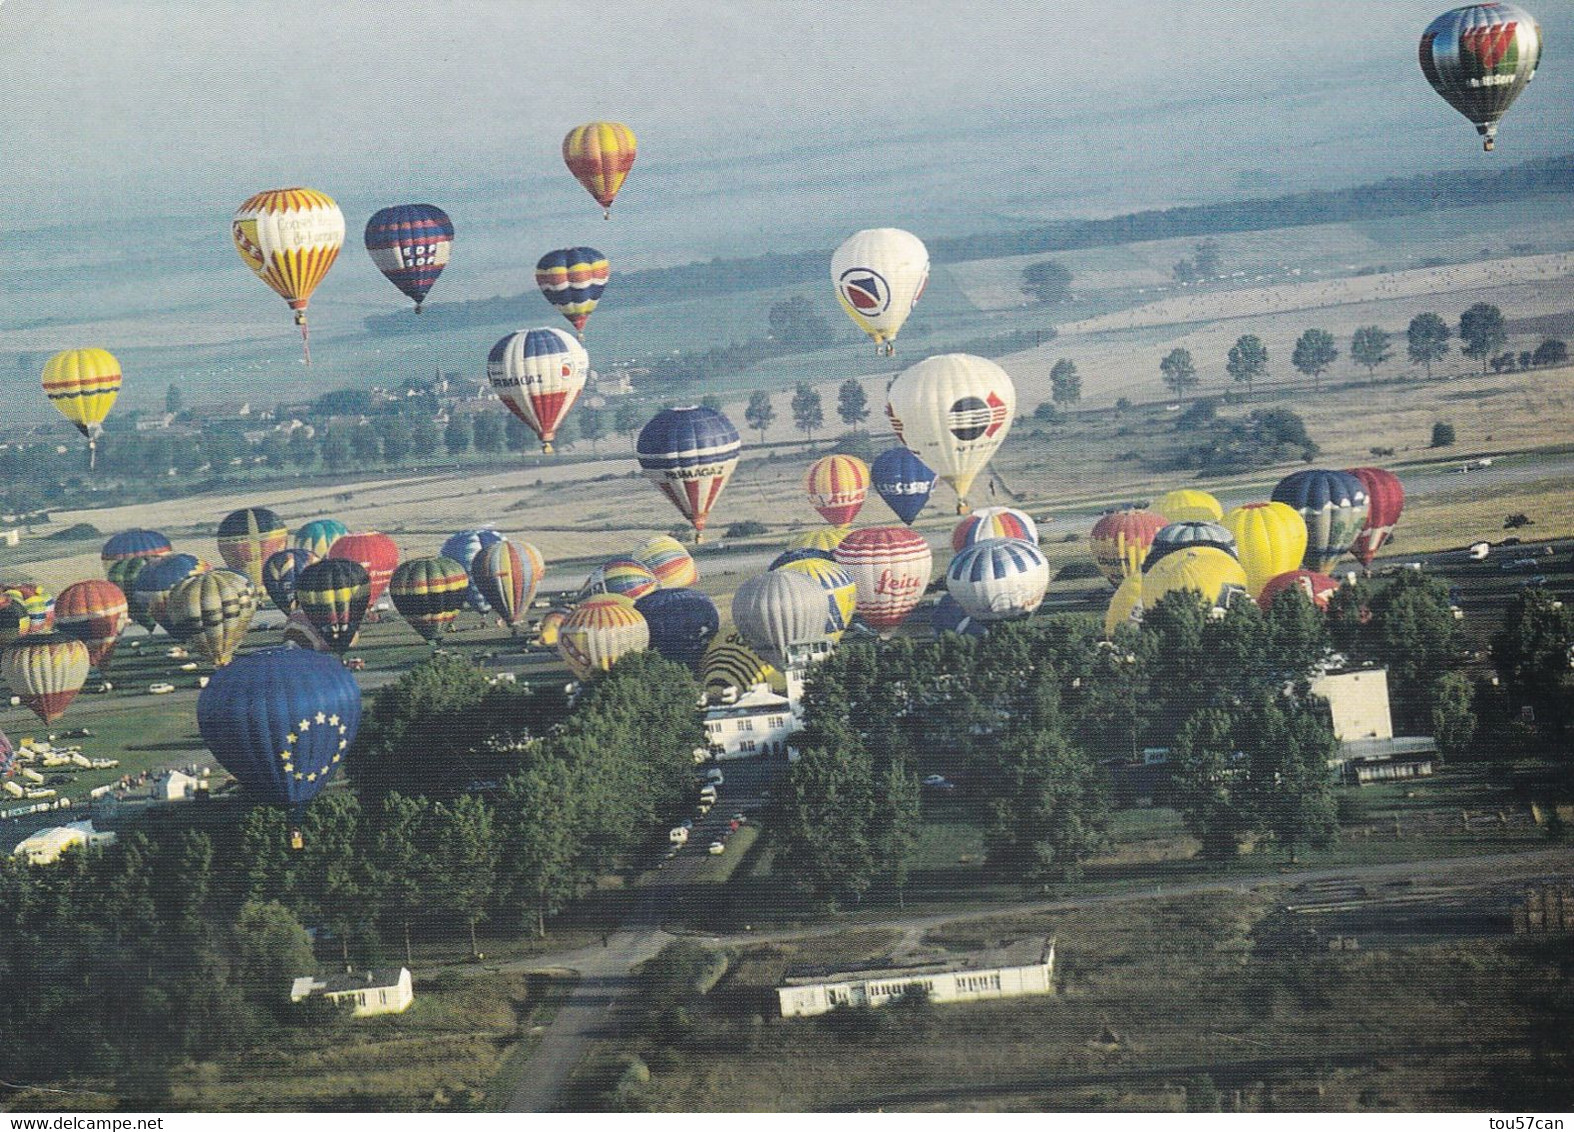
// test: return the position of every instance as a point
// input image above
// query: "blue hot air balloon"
(138, 543)
(798, 554)
(462, 548)
(280, 720)
(689, 454)
(410, 243)
(1334, 506)
(279, 571)
(682, 624)
(903, 481)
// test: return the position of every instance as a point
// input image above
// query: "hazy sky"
(175, 102)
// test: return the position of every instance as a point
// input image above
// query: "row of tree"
(808, 410)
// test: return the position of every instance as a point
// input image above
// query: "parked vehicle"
(678, 836)
(717, 848)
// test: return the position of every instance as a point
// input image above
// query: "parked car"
(715, 777)
(160, 689)
(934, 780)
(717, 848)
(679, 835)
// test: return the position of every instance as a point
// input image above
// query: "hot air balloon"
(538, 374)
(599, 632)
(211, 613)
(83, 384)
(824, 539)
(134, 544)
(1206, 570)
(551, 625)
(994, 522)
(997, 579)
(290, 238)
(14, 622)
(837, 487)
(689, 453)
(1317, 587)
(903, 481)
(149, 596)
(280, 720)
(429, 593)
(462, 547)
(1270, 538)
(731, 663)
(1188, 504)
(953, 410)
(1191, 532)
(1121, 539)
(7, 758)
(624, 576)
(281, 571)
(95, 613)
(572, 280)
(319, 535)
(123, 572)
(1334, 507)
(949, 617)
(782, 615)
(300, 632)
(1479, 58)
(890, 567)
(1125, 605)
(247, 537)
(1385, 501)
(841, 595)
(879, 275)
(506, 576)
(666, 557)
(410, 244)
(600, 155)
(46, 671)
(34, 605)
(682, 622)
(799, 554)
(374, 550)
(333, 594)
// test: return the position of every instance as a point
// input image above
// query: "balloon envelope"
(376, 552)
(1205, 570)
(572, 279)
(999, 578)
(1270, 538)
(1333, 505)
(689, 454)
(211, 613)
(289, 238)
(429, 593)
(1479, 58)
(994, 522)
(410, 244)
(280, 573)
(1190, 532)
(599, 632)
(1317, 587)
(149, 595)
(505, 574)
(890, 566)
(668, 559)
(334, 594)
(782, 614)
(625, 576)
(462, 547)
(1188, 504)
(879, 275)
(1125, 605)
(841, 594)
(248, 537)
(137, 543)
(46, 671)
(837, 487)
(824, 539)
(1385, 502)
(82, 386)
(319, 535)
(954, 411)
(1121, 539)
(600, 155)
(95, 613)
(903, 480)
(682, 623)
(730, 663)
(949, 617)
(280, 720)
(538, 374)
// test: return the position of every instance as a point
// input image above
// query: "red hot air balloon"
(1385, 501)
(890, 568)
(1318, 587)
(373, 550)
(95, 613)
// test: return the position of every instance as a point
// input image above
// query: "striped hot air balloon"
(1385, 502)
(319, 535)
(997, 579)
(333, 595)
(150, 593)
(1192, 532)
(890, 566)
(1334, 506)
(82, 386)
(410, 244)
(462, 547)
(1186, 504)
(841, 595)
(823, 539)
(137, 543)
(781, 613)
(45, 671)
(211, 613)
(538, 374)
(599, 632)
(730, 663)
(280, 572)
(1478, 58)
(506, 574)
(837, 487)
(1121, 540)
(954, 411)
(689, 454)
(600, 155)
(247, 538)
(572, 280)
(429, 593)
(668, 559)
(624, 576)
(124, 572)
(993, 522)
(95, 613)
(290, 238)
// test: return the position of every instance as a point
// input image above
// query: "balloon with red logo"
(1385, 502)
(890, 567)
(375, 551)
(837, 487)
(1317, 587)
(953, 411)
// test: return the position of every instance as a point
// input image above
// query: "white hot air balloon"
(953, 411)
(998, 578)
(782, 615)
(539, 374)
(879, 275)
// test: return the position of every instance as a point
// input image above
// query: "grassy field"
(1153, 997)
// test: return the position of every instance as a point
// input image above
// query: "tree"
(336, 451)
(538, 843)
(487, 433)
(463, 860)
(592, 426)
(797, 325)
(807, 412)
(174, 400)
(456, 437)
(1454, 714)
(1482, 330)
(396, 862)
(332, 885)
(1442, 435)
(394, 432)
(424, 437)
(271, 949)
(1314, 352)
(1369, 347)
(852, 403)
(1065, 383)
(1179, 371)
(1048, 281)
(364, 446)
(1247, 361)
(628, 419)
(517, 435)
(1428, 337)
(1287, 746)
(1185, 271)
(274, 450)
(821, 823)
(895, 823)
(1205, 255)
(1206, 784)
(303, 448)
(1551, 352)
(759, 413)
(1533, 653)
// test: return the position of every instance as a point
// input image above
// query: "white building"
(759, 722)
(1016, 967)
(385, 991)
(1357, 703)
(176, 786)
(45, 846)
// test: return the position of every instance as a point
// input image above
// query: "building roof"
(1376, 750)
(1006, 953)
(756, 701)
(340, 981)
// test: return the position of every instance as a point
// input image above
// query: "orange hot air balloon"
(95, 613)
(837, 487)
(290, 238)
(600, 155)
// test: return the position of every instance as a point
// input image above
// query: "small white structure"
(176, 786)
(45, 846)
(759, 722)
(385, 991)
(1016, 967)
(1358, 703)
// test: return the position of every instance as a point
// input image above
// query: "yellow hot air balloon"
(290, 238)
(82, 384)
(1125, 605)
(819, 538)
(1205, 570)
(1188, 504)
(600, 155)
(1270, 538)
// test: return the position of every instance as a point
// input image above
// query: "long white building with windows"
(1014, 968)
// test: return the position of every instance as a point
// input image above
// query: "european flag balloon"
(280, 720)
(682, 624)
(903, 480)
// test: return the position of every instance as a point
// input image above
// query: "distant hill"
(1397, 196)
